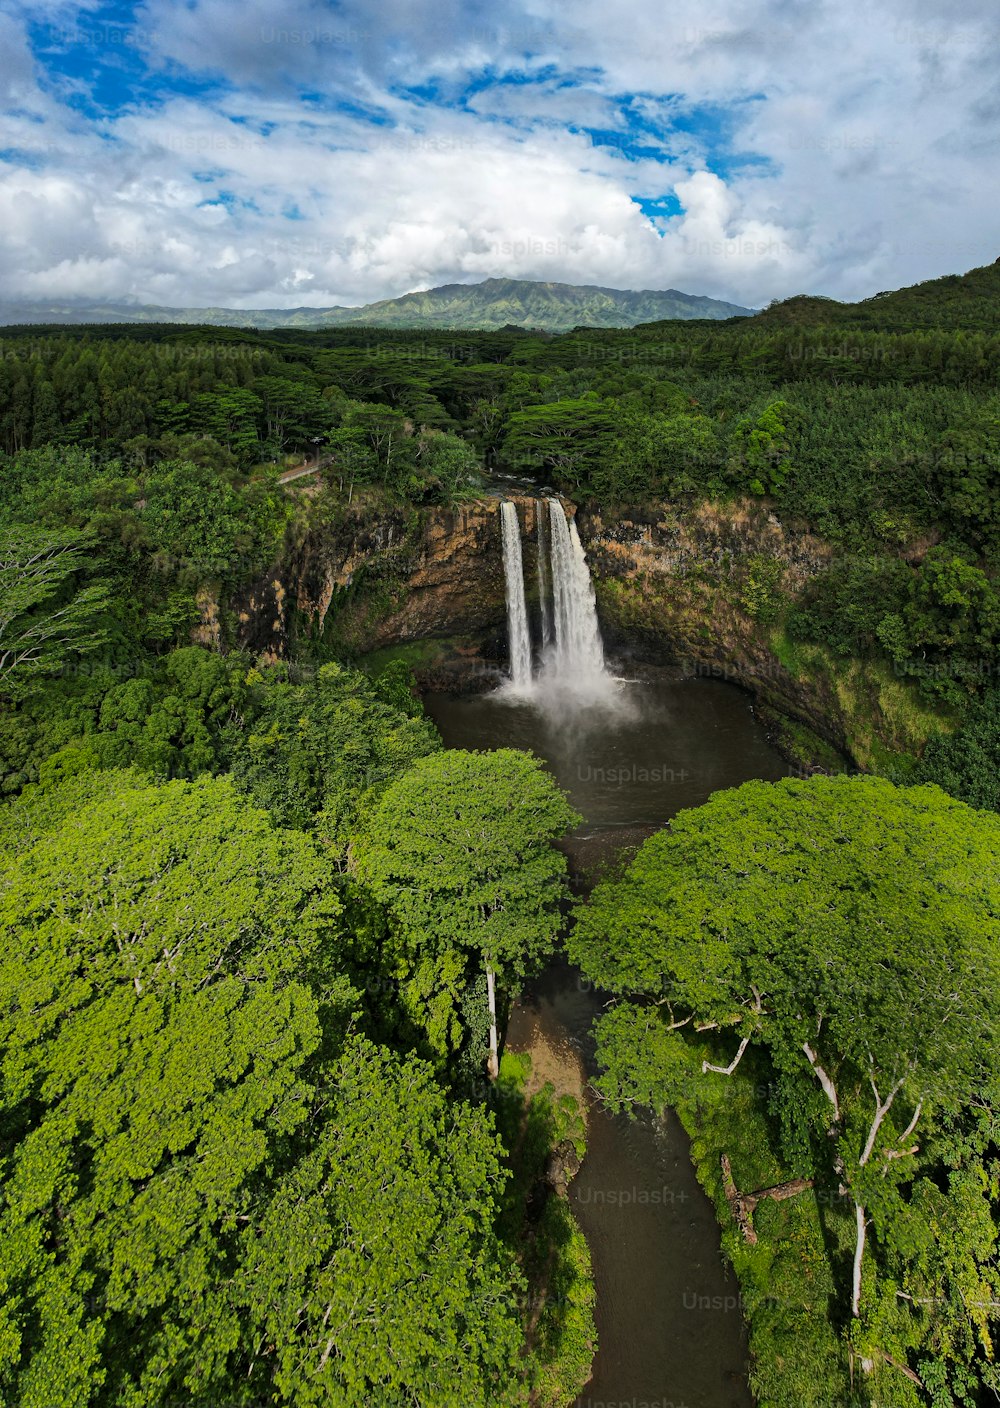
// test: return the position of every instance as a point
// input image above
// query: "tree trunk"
(742, 1205)
(493, 1064)
(859, 1252)
(829, 1089)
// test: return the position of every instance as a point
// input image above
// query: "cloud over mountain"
(186, 151)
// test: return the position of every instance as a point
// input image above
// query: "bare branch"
(727, 1070)
(882, 1108)
(913, 1123)
(859, 1252)
(829, 1089)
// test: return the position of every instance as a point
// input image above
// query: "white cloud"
(875, 134)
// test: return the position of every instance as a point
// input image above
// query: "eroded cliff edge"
(701, 586)
(708, 585)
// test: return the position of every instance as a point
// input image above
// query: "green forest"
(261, 1141)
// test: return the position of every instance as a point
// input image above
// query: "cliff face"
(367, 583)
(702, 586)
(707, 586)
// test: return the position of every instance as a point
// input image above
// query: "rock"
(689, 585)
(562, 1167)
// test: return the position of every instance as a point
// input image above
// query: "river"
(670, 1329)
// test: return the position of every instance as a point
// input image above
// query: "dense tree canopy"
(852, 931)
(211, 1190)
(322, 753)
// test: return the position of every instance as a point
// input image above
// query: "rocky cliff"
(707, 586)
(703, 586)
(371, 581)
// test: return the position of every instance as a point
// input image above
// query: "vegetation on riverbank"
(544, 1129)
(846, 934)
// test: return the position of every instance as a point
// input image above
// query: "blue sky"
(198, 151)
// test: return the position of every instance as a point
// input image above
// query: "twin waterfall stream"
(571, 656)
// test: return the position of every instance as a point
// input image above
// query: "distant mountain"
(969, 300)
(495, 303)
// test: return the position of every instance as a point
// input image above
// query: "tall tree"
(44, 614)
(460, 851)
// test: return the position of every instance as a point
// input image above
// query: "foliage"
(459, 851)
(320, 754)
(850, 929)
(212, 1182)
(44, 617)
(176, 716)
(211, 1191)
(966, 763)
(540, 1224)
(375, 1270)
(762, 448)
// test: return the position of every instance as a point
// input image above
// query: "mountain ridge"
(488, 305)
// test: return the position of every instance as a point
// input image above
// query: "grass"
(559, 1314)
(412, 653)
(883, 715)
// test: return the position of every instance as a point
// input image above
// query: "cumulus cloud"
(748, 149)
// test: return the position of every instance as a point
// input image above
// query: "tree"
(762, 449)
(202, 527)
(570, 436)
(42, 616)
(211, 1191)
(180, 719)
(230, 415)
(319, 755)
(447, 463)
(459, 850)
(294, 412)
(654, 454)
(163, 976)
(351, 458)
(848, 928)
(375, 1272)
(388, 434)
(966, 763)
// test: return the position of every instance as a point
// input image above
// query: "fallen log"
(742, 1205)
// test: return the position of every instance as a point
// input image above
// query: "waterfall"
(574, 664)
(519, 640)
(572, 668)
(544, 591)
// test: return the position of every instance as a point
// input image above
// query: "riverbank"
(542, 1113)
(786, 1284)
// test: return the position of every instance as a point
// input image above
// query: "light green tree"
(460, 851)
(210, 1190)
